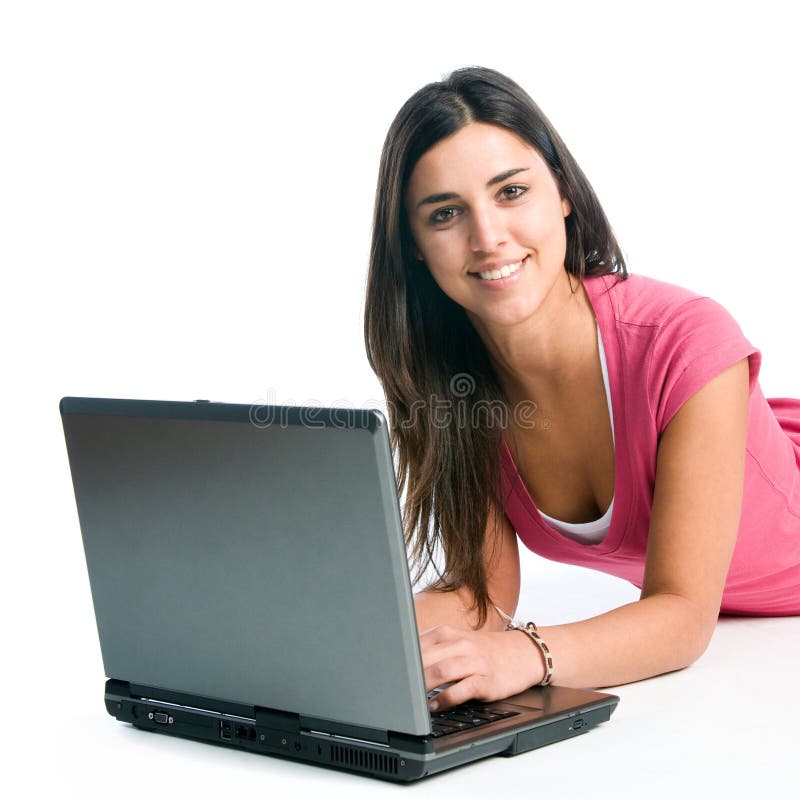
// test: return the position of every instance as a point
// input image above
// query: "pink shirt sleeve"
(698, 342)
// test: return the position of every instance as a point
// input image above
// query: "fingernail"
(433, 705)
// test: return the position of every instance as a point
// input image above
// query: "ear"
(566, 208)
(418, 255)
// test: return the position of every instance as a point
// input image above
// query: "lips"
(499, 269)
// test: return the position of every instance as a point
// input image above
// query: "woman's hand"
(481, 665)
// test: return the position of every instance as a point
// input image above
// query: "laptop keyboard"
(465, 717)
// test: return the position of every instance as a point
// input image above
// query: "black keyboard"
(465, 717)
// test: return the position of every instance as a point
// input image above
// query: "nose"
(487, 232)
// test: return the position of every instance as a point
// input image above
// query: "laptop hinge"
(376, 735)
(185, 699)
(123, 690)
(277, 720)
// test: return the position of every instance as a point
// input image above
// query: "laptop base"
(400, 758)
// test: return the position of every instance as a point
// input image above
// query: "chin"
(514, 314)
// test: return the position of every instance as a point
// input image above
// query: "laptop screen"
(261, 564)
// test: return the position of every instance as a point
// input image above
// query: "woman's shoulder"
(641, 300)
(681, 338)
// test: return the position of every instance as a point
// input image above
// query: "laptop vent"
(364, 759)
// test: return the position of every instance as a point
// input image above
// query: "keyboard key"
(454, 724)
(471, 719)
(465, 717)
(485, 715)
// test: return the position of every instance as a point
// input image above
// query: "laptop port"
(245, 732)
(225, 731)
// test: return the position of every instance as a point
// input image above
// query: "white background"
(186, 192)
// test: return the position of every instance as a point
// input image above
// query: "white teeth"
(503, 272)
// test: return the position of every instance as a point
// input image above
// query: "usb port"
(225, 731)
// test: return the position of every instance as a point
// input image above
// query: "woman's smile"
(498, 278)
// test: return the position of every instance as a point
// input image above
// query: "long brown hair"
(446, 407)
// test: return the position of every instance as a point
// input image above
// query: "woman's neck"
(548, 355)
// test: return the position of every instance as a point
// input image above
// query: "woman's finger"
(443, 646)
(470, 688)
(448, 670)
(439, 634)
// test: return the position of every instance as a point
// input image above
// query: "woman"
(536, 389)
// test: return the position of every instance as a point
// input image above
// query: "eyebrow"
(442, 196)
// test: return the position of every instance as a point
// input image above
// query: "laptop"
(251, 589)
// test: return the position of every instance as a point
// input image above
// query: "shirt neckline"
(597, 290)
(585, 532)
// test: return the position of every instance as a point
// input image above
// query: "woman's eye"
(513, 192)
(443, 215)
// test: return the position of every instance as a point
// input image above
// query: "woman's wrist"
(545, 660)
(530, 661)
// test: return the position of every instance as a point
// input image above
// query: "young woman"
(536, 389)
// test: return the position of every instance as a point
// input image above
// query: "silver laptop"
(251, 588)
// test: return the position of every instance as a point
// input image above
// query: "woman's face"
(482, 203)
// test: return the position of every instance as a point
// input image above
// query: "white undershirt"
(590, 532)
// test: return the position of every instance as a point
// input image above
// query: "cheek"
(541, 230)
(443, 248)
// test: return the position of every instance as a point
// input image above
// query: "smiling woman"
(497, 285)
(419, 338)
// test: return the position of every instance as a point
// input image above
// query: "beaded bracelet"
(531, 630)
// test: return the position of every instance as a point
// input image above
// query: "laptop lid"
(252, 555)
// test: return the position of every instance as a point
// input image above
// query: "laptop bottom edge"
(403, 759)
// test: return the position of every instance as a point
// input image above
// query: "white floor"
(725, 727)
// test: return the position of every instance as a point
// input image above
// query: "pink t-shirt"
(662, 343)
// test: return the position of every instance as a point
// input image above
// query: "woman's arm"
(697, 504)
(694, 522)
(501, 559)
